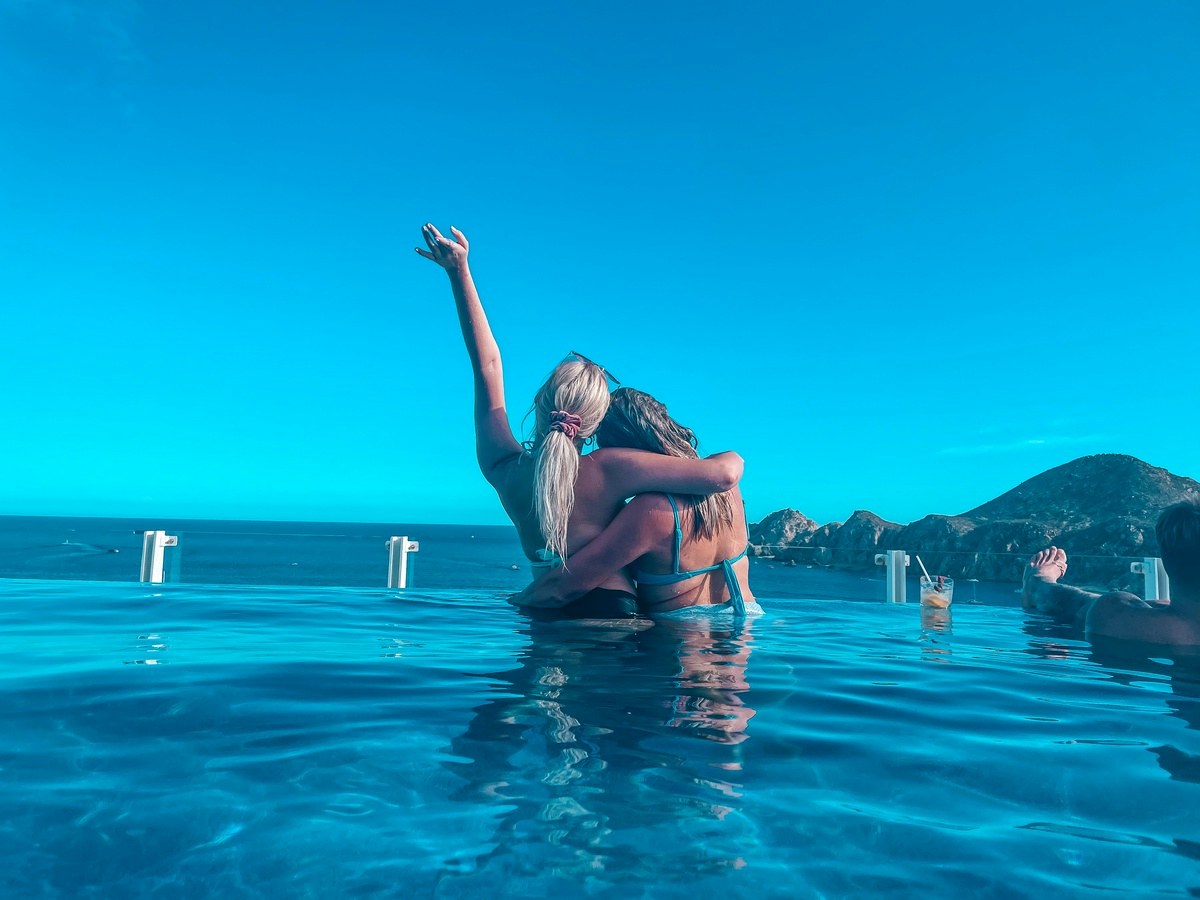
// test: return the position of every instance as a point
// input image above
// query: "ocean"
(451, 557)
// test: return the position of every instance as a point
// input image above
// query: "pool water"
(188, 741)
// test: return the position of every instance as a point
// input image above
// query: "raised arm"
(640, 527)
(494, 441)
(628, 472)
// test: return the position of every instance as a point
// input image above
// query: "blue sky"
(900, 256)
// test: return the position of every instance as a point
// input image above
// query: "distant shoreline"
(178, 522)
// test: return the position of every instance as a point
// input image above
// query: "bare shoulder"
(1114, 606)
(608, 457)
(654, 509)
(1125, 615)
(1121, 600)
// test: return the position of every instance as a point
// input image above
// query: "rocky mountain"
(1097, 508)
(787, 526)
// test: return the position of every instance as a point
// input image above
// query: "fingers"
(441, 248)
(427, 232)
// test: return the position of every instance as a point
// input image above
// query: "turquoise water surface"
(191, 741)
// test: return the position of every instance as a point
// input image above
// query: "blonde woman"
(558, 499)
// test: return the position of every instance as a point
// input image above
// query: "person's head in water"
(638, 421)
(1178, 534)
(567, 409)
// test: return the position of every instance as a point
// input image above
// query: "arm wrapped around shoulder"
(731, 467)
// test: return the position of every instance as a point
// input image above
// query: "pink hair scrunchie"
(568, 423)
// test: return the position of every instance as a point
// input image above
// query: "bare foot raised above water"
(1045, 566)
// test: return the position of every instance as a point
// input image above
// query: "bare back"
(595, 507)
(708, 588)
(642, 537)
(1128, 617)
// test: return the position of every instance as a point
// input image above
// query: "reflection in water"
(712, 678)
(1129, 663)
(936, 619)
(1050, 639)
(935, 628)
(589, 750)
(1142, 666)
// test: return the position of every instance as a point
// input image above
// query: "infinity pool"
(282, 742)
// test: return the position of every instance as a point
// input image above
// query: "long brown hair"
(638, 421)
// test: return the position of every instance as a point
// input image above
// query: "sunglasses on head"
(612, 382)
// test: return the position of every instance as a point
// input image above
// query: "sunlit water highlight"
(193, 741)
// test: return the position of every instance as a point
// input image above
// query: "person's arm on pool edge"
(494, 441)
(642, 525)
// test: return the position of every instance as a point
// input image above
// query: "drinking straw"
(923, 569)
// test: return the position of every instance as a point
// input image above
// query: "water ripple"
(323, 742)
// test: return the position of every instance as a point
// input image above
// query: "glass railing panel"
(450, 557)
(173, 554)
(813, 572)
(992, 579)
(1104, 573)
(478, 557)
(475, 558)
(995, 579)
(76, 549)
(328, 558)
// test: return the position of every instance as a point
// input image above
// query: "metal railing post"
(398, 550)
(897, 577)
(153, 545)
(1158, 586)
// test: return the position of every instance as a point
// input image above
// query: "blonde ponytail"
(554, 488)
(569, 408)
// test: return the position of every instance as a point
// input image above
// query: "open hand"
(531, 596)
(448, 254)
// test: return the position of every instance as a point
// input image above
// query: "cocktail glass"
(937, 591)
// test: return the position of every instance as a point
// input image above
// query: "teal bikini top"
(736, 599)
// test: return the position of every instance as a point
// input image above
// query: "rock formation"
(786, 526)
(1100, 509)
